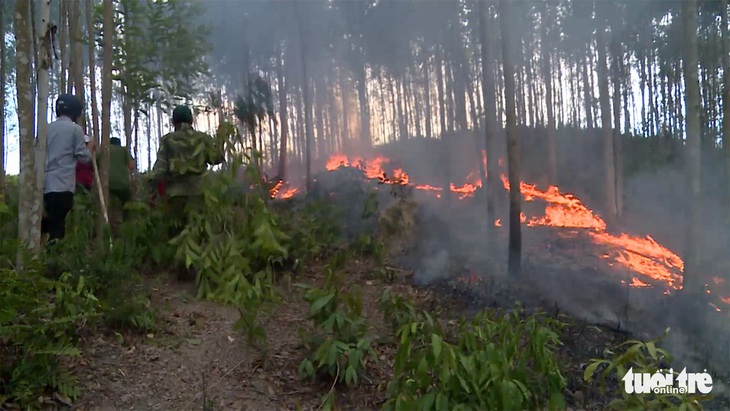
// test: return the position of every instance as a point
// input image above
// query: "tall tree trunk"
(490, 116)
(725, 95)
(106, 101)
(552, 156)
(446, 152)
(440, 89)
(616, 78)
(605, 102)
(283, 117)
(345, 97)
(513, 153)
(92, 71)
(307, 98)
(587, 93)
(2, 100)
(43, 65)
(26, 120)
(427, 86)
(319, 112)
(62, 43)
(362, 95)
(77, 61)
(692, 282)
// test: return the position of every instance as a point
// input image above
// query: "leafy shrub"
(234, 248)
(39, 321)
(342, 344)
(643, 357)
(110, 267)
(497, 362)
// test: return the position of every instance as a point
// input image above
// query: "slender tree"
(606, 130)
(26, 119)
(692, 280)
(490, 113)
(2, 100)
(506, 20)
(106, 97)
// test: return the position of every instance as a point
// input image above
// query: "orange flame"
(643, 256)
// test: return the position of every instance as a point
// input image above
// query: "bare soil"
(196, 360)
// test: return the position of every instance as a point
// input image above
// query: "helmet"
(182, 114)
(70, 106)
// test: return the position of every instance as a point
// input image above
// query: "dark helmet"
(182, 114)
(70, 106)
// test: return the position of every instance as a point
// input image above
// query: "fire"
(643, 256)
(277, 192)
(563, 210)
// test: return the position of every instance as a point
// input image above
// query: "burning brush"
(651, 262)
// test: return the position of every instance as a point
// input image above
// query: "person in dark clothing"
(121, 164)
(64, 148)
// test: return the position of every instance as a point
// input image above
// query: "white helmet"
(87, 138)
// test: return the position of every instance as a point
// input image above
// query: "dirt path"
(195, 360)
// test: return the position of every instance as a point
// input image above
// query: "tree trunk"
(605, 102)
(283, 117)
(45, 54)
(106, 100)
(345, 97)
(307, 98)
(319, 111)
(725, 94)
(490, 119)
(76, 64)
(587, 93)
(2, 100)
(548, 79)
(26, 121)
(446, 152)
(62, 43)
(364, 108)
(616, 80)
(513, 155)
(692, 282)
(92, 71)
(427, 85)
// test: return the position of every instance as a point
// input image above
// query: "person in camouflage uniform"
(182, 160)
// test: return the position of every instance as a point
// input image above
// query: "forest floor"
(196, 360)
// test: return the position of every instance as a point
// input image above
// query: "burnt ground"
(196, 360)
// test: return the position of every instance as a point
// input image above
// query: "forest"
(433, 205)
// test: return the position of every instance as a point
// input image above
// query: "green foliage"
(397, 310)
(342, 344)
(160, 55)
(498, 361)
(643, 357)
(39, 324)
(234, 249)
(314, 228)
(112, 272)
(256, 104)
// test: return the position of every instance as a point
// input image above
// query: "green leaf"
(591, 370)
(320, 303)
(436, 343)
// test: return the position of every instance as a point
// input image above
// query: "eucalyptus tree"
(26, 119)
(515, 198)
(3, 79)
(42, 65)
(692, 282)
